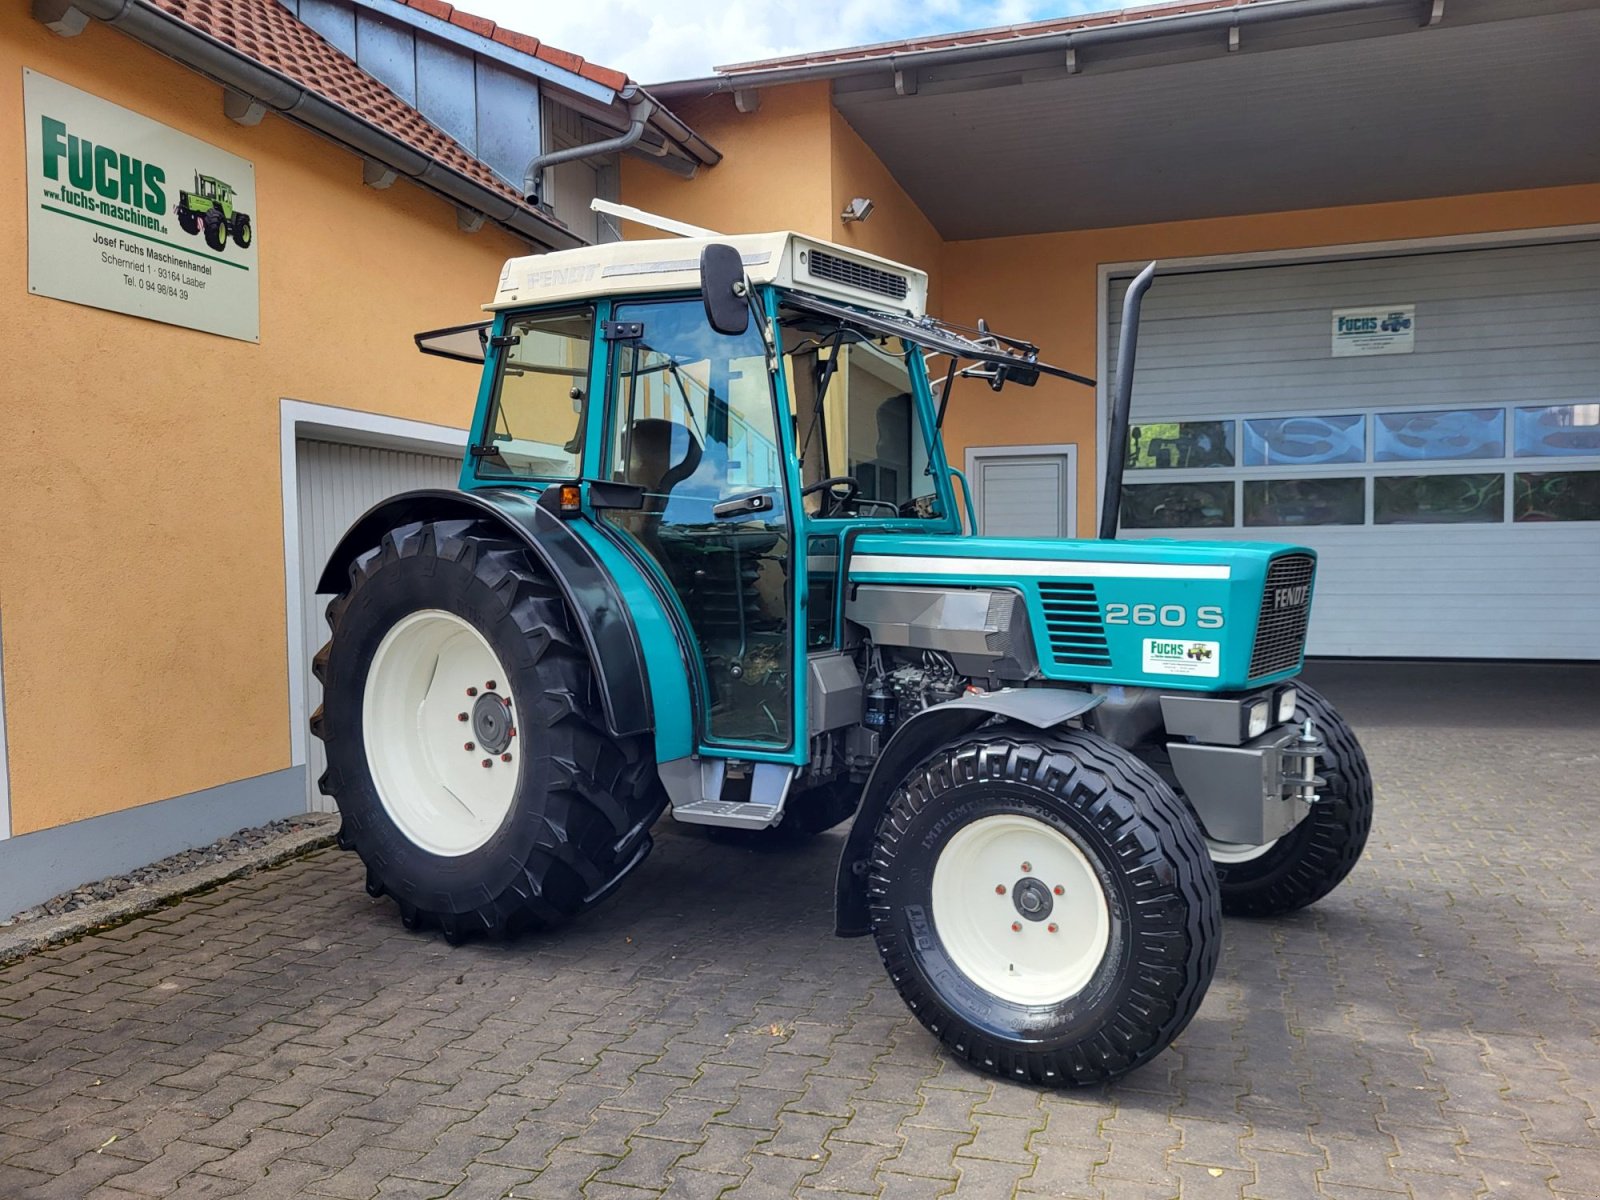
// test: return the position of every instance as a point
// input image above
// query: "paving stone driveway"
(1429, 1030)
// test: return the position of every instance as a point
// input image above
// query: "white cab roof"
(789, 260)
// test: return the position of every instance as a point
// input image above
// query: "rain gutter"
(1214, 20)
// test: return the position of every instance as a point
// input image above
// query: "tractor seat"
(661, 455)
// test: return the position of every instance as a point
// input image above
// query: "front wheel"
(1044, 904)
(216, 229)
(1314, 857)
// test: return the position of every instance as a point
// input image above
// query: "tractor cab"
(708, 555)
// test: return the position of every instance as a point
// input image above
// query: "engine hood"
(1205, 616)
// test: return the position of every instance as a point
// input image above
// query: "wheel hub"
(491, 722)
(1032, 899)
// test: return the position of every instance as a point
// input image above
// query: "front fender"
(592, 596)
(917, 737)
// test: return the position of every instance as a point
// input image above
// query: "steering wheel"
(838, 491)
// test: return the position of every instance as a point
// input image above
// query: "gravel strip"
(112, 901)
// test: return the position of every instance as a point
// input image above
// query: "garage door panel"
(1506, 327)
(336, 484)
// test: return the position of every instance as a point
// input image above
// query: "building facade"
(231, 230)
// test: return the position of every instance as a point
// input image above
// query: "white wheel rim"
(1236, 852)
(426, 761)
(986, 875)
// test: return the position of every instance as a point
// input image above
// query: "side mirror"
(722, 286)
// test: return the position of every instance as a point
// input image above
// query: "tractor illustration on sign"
(708, 556)
(1395, 322)
(209, 210)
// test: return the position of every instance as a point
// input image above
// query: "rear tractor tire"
(1044, 904)
(466, 746)
(1314, 857)
(240, 229)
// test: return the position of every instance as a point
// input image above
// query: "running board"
(695, 786)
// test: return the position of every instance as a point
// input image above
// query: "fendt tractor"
(708, 554)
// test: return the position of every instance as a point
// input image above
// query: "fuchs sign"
(1381, 329)
(128, 215)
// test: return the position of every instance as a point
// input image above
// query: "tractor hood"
(1211, 616)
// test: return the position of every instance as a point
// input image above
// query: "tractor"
(708, 555)
(209, 209)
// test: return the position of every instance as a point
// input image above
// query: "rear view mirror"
(723, 287)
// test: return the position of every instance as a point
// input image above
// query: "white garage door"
(1452, 488)
(337, 484)
(1023, 491)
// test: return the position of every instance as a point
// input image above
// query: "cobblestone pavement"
(1429, 1030)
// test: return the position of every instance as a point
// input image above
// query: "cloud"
(654, 41)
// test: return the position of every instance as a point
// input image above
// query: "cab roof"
(787, 259)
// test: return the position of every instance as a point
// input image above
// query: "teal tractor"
(708, 555)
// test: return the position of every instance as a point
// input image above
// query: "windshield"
(853, 397)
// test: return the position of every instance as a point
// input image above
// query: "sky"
(657, 40)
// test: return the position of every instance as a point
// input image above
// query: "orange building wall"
(141, 555)
(1044, 287)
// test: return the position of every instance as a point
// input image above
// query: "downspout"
(640, 109)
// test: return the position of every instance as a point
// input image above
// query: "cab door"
(693, 422)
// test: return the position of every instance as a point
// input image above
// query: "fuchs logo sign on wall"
(1382, 329)
(127, 214)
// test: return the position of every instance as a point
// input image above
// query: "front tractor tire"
(466, 746)
(188, 221)
(215, 229)
(1314, 857)
(1044, 904)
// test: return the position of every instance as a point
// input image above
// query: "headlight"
(1260, 713)
(1287, 699)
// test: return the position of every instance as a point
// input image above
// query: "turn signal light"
(571, 499)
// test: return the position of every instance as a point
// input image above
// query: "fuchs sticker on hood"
(1163, 656)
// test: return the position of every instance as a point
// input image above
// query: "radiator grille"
(1285, 610)
(1072, 620)
(858, 275)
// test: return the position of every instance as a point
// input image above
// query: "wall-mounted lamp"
(858, 209)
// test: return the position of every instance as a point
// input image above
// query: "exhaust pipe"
(1117, 433)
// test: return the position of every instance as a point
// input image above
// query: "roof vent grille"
(854, 274)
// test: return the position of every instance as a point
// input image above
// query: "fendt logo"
(1290, 597)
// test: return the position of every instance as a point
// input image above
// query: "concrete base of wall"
(37, 866)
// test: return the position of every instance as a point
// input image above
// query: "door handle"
(740, 506)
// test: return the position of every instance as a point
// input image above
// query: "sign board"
(127, 214)
(1382, 329)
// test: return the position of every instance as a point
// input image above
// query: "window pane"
(1557, 496)
(1180, 445)
(1559, 429)
(1460, 433)
(535, 428)
(1177, 505)
(1438, 499)
(1301, 441)
(1305, 501)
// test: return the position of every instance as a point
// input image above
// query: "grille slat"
(1072, 619)
(1281, 629)
(858, 275)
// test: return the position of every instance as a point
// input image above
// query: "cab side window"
(536, 420)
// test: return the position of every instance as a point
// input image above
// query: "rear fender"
(597, 606)
(917, 737)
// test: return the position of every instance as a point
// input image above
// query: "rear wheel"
(1044, 904)
(1314, 857)
(240, 229)
(466, 747)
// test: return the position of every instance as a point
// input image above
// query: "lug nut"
(461, 716)
(1052, 927)
(472, 691)
(999, 889)
(488, 762)
(489, 687)
(1016, 927)
(1060, 891)
(505, 758)
(469, 746)
(1027, 868)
